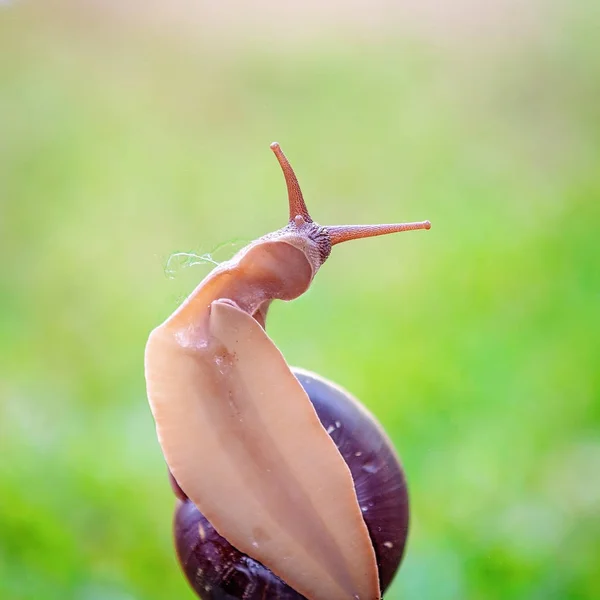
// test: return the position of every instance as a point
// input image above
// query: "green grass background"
(477, 344)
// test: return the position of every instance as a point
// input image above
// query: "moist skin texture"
(263, 471)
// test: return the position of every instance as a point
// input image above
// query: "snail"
(287, 486)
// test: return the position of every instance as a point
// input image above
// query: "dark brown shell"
(218, 571)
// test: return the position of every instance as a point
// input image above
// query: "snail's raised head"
(301, 223)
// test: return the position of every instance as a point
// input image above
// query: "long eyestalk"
(297, 204)
(345, 233)
(337, 233)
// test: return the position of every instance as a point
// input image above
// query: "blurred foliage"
(477, 344)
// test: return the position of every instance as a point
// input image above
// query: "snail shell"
(218, 571)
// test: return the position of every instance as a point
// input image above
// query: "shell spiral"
(218, 571)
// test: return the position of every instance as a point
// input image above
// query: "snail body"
(288, 488)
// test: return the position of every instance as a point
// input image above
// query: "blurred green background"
(132, 132)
